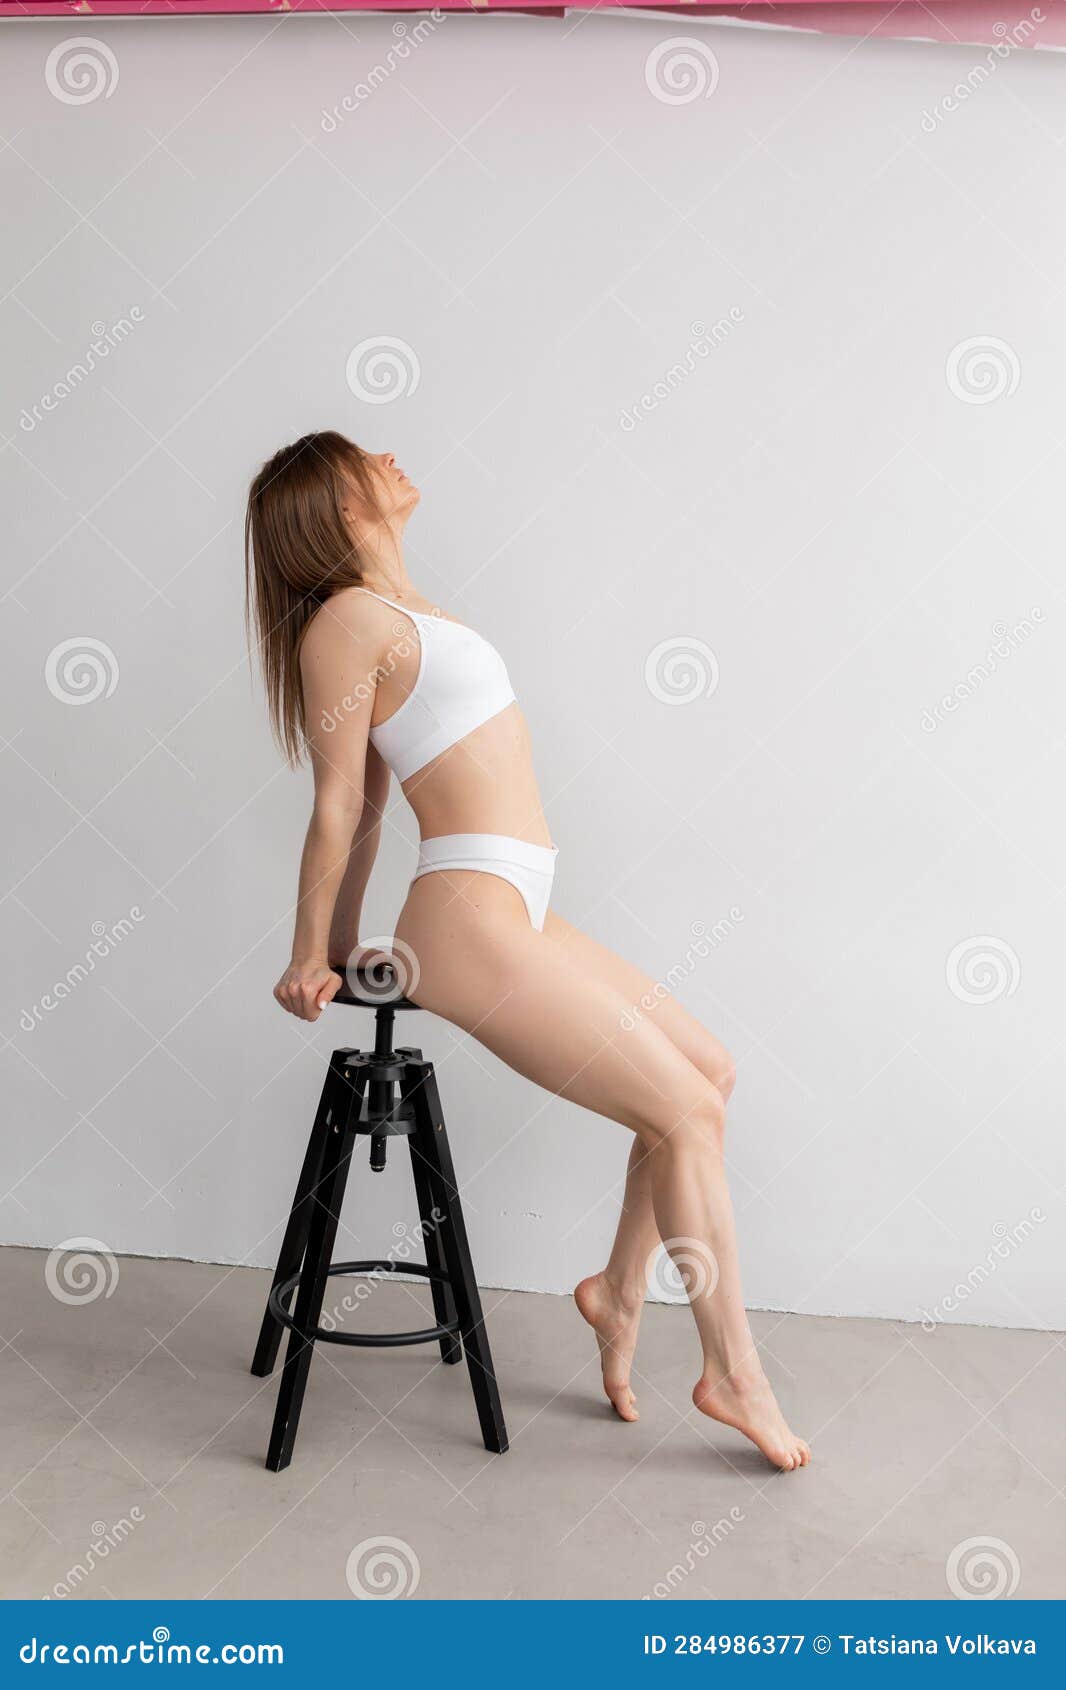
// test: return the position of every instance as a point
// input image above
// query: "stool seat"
(372, 991)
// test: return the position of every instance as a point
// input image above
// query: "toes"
(623, 1402)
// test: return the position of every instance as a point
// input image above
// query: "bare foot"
(744, 1400)
(615, 1321)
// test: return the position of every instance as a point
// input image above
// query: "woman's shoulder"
(348, 613)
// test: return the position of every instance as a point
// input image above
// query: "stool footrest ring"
(282, 1294)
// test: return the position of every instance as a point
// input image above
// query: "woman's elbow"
(337, 813)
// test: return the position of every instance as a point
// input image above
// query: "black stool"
(359, 1099)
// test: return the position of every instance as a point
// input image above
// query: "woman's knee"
(725, 1076)
(696, 1124)
(715, 1063)
(703, 1124)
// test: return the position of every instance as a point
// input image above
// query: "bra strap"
(390, 602)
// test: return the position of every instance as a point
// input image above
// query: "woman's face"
(394, 498)
(397, 496)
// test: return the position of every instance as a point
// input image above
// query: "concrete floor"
(134, 1440)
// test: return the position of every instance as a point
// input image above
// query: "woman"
(369, 676)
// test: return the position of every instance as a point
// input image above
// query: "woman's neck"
(384, 570)
(390, 585)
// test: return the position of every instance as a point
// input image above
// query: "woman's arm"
(338, 667)
(348, 910)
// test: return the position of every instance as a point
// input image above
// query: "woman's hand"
(360, 956)
(306, 988)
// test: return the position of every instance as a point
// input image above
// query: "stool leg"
(431, 1213)
(294, 1243)
(431, 1142)
(336, 1160)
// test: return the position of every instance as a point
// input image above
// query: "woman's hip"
(528, 869)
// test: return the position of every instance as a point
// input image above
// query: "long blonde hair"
(298, 552)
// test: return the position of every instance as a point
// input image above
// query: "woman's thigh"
(692, 1039)
(477, 962)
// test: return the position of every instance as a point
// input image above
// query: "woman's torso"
(436, 678)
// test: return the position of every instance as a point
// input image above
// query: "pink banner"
(998, 24)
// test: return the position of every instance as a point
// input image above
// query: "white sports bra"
(461, 682)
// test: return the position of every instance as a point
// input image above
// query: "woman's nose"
(390, 460)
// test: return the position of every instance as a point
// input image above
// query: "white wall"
(813, 502)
